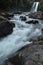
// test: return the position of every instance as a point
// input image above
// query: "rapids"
(20, 36)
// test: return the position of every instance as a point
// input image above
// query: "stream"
(20, 36)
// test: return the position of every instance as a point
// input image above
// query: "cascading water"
(19, 38)
(35, 7)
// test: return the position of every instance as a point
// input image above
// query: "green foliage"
(41, 6)
(41, 17)
(7, 4)
(19, 4)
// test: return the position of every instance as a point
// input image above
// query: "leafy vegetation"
(41, 17)
(19, 4)
(40, 5)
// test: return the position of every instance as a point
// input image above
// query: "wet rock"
(14, 61)
(7, 15)
(8, 63)
(32, 22)
(18, 12)
(29, 55)
(29, 22)
(40, 38)
(6, 27)
(23, 18)
(13, 25)
(35, 22)
(42, 31)
(36, 15)
(3, 18)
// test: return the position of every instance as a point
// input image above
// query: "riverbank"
(31, 54)
(36, 15)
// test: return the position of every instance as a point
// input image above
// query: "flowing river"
(20, 36)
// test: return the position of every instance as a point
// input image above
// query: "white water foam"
(35, 7)
(19, 37)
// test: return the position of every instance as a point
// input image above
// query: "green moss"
(41, 42)
(41, 17)
(40, 5)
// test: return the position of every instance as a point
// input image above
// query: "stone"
(29, 22)
(13, 25)
(36, 15)
(3, 18)
(28, 55)
(32, 22)
(23, 18)
(7, 15)
(6, 27)
(18, 12)
(35, 22)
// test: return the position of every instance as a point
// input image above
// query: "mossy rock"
(40, 5)
(41, 42)
(41, 17)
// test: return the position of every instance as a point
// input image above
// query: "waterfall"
(19, 37)
(35, 7)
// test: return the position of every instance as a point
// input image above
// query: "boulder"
(18, 12)
(23, 18)
(3, 18)
(36, 15)
(13, 25)
(35, 22)
(29, 22)
(6, 27)
(32, 22)
(7, 15)
(29, 55)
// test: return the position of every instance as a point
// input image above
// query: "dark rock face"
(23, 18)
(29, 55)
(36, 15)
(29, 22)
(6, 28)
(42, 29)
(18, 12)
(13, 25)
(7, 15)
(2, 18)
(35, 22)
(32, 22)
(14, 60)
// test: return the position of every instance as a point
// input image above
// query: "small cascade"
(20, 36)
(35, 7)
